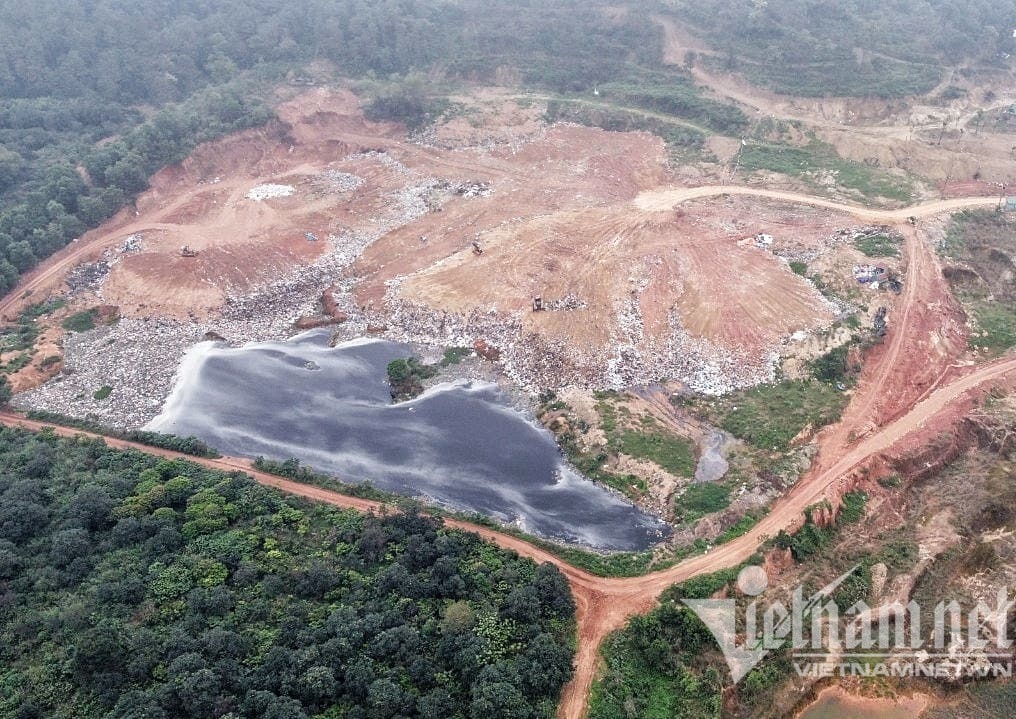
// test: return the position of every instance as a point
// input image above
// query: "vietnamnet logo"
(860, 640)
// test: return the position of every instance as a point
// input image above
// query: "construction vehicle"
(186, 251)
(537, 304)
(477, 250)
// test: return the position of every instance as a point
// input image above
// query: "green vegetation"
(138, 586)
(407, 101)
(851, 47)
(103, 392)
(880, 245)
(985, 242)
(653, 669)
(80, 321)
(666, 664)
(640, 439)
(645, 440)
(674, 96)
(701, 499)
(799, 268)
(739, 528)
(811, 538)
(995, 327)
(977, 699)
(680, 138)
(454, 355)
(185, 445)
(669, 106)
(405, 376)
(893, 481)
(22, 334)
(812, 162)
(614, 564)
(835, 366)
(675, 454)
(770, 416)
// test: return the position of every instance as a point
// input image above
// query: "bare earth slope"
(643, 282)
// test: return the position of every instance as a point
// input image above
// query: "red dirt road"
(604, 604)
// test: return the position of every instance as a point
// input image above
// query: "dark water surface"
(459, 444)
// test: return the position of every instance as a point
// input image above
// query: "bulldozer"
(186, 251)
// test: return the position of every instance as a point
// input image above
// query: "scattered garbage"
(131, 244)
(335, 182)
(868, 273)
(269, 191)
(879, 323)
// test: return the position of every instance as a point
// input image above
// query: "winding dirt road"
(605, 604)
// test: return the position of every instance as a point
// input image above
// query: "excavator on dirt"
(477, 250)
(186, 251)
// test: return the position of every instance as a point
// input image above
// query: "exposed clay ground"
(647, 289)
(573, 212)
(904, 134)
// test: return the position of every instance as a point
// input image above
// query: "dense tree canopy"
(75, 72)
(852, 47)
(132, 586)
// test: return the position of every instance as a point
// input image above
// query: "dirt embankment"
(605, 604)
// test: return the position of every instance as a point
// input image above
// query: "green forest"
(851, 47)
(132, 586)
(97, 95)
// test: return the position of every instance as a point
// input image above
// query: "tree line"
(75, 76)
(132, 586)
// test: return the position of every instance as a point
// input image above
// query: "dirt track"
(888, 392)
(605, 604)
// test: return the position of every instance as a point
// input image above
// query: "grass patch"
(103, 392)
(799, 268)
(770, 416)
(817, 159)
(893, 481)
(739, 528)
(995, 327)
(674, 454)
(985, 241)
(878, 246)
(80, 321)
(835, 365)
(21, 360)
(22, 335)
(454, 355)
(676, 96)
(701, 499)
(811, 538)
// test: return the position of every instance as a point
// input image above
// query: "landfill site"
(547, 248)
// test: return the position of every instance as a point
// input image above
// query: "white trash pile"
(260, 193)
